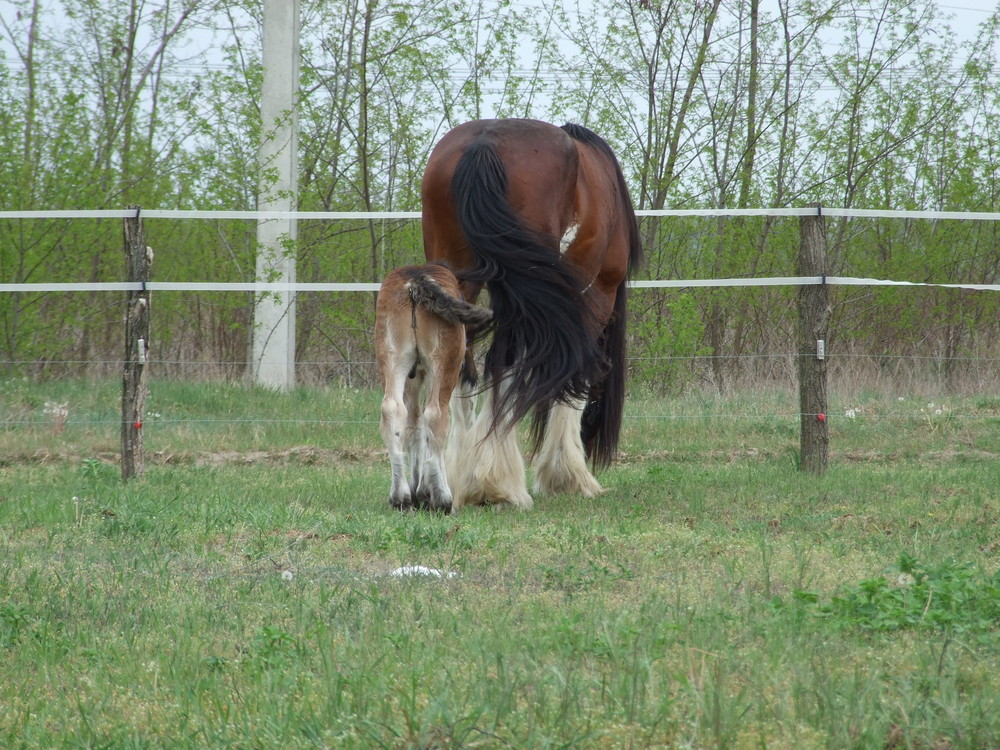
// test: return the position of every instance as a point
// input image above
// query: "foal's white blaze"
(568, 236)
(561, 465)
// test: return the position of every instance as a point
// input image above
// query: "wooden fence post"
(814, 318)
(138, 259)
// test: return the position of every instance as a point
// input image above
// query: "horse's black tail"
(427, 293)
(602, 416)
(600, 425)
(543, 348)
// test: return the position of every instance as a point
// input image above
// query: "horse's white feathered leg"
(487, 468)
(561, 465)
(463, 419)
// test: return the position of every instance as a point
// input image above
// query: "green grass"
(239, 596)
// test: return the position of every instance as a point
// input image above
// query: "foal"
(420, 320)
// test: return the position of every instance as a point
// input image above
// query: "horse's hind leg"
(461, 424)
(412, 439)
(489, 469)
(394, 418)
(433, 491)
(561, 465)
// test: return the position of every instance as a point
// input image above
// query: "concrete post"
(273, 346)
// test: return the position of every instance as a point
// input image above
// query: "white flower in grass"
(287, 575)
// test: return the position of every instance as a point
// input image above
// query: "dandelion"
(287, 575)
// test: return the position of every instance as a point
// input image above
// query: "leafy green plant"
(14, 620)
(271, 644)
(948, 596)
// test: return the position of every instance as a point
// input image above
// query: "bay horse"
(541, 217)
(420, 320)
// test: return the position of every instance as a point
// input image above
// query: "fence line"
(151, 421)
(309, 286)
(659, 358)
(170, 213)
(261, 287)
(813, 305)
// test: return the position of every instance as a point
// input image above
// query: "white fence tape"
(275, 287)
(156, 213)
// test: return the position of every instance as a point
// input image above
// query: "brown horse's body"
(420, 321)
(540, 216)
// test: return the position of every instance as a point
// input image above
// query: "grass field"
(240, 595)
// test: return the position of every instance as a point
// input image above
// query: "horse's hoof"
(401, 504)
(434, 504)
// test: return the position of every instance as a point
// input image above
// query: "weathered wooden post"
(814, 319)
(138, 259)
